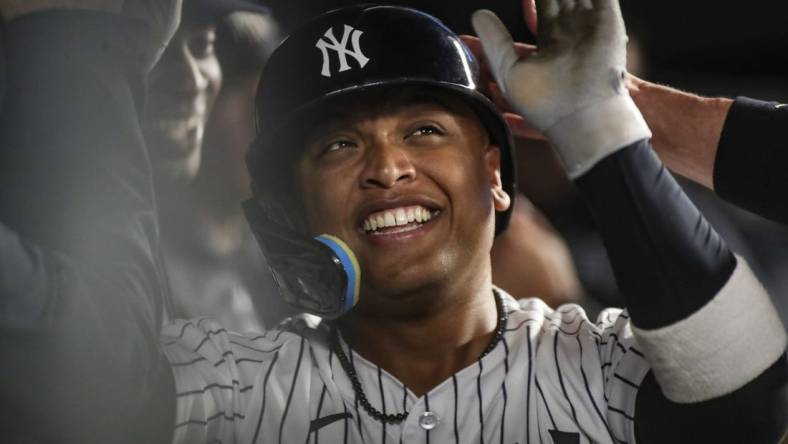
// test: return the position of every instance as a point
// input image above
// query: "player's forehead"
(395, 101)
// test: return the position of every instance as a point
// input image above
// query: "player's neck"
(424, 351)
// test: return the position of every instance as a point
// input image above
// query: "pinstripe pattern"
(554, 371)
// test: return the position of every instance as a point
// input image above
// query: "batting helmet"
(347, 51)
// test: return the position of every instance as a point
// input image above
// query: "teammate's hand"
(572, 88)
(163, 16)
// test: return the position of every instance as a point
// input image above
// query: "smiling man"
(381, 176)
(411, 221)
(181, 90)
(414, 184)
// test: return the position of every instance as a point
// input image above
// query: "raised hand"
(517, 124)
(572, 88)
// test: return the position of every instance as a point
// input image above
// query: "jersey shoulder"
(205, 339)
(221, 377)
(567, 317)
(586, 373)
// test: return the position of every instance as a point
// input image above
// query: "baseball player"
(381, 177)
(412, 363)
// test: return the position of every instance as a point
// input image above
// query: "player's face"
(181, 90)
(412, 187)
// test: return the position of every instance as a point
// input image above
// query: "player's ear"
(492, 159)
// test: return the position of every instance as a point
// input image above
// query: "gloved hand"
(573, 87)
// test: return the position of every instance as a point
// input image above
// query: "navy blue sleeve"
(81, 299)
(753, 414)
(669, 263)
(749, 169)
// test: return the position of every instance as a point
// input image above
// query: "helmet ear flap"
(319, 276)
(315, 275)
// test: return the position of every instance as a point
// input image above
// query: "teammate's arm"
(704, 323)
(686, 127)
(735, 147)
(696, 310)
(79, 279)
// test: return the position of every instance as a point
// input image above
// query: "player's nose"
(386, 165)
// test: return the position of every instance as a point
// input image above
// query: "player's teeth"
(401, 217)
(396, 217)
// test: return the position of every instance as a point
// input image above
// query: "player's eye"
(338, 145)
(426, 130)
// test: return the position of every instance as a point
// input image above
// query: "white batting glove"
(572, 89)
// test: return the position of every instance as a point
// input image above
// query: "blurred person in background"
(214, 264)
(75, 76)
(212, 268)
(181, 90)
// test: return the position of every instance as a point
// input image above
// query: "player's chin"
(394, 275)
(393, 300)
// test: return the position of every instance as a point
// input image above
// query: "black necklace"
(396, 418)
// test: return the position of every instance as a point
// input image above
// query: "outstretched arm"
(696, 309)
(735, 147)
(81, 300)
(686, 127)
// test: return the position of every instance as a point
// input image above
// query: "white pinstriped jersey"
(554, 378)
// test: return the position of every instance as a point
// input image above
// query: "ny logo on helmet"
(328, 41)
